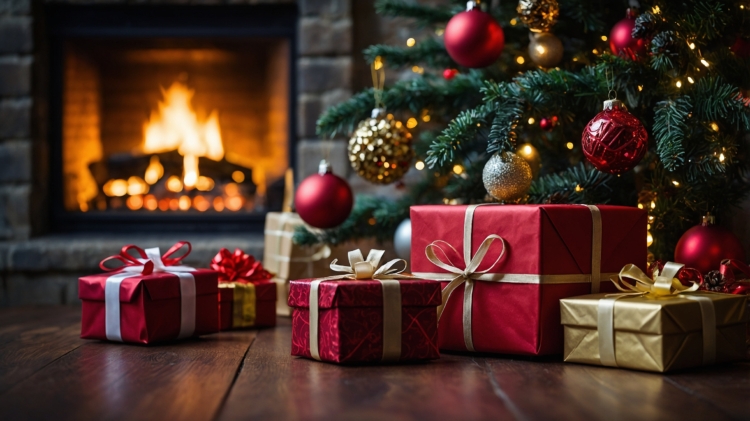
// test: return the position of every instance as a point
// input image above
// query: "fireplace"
(169, 118)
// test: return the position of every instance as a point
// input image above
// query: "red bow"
(238, 266)
(731, 284)
(128, 260)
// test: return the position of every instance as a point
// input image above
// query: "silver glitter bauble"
(402, 240)
(507, 177)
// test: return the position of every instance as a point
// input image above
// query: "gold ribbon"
(367, 269)
(244, 303)
(663, 285)
(458, 276)
(285, 219)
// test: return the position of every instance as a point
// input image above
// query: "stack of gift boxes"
(505, 279)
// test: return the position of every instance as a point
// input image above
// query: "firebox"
(169, 118)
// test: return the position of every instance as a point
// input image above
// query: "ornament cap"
(614, 104)
(325, 167)
(377, 112)
(708, 220)
(471, 5)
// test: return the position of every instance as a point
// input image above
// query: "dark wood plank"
(727, 387)
(39, 337)
(551, 389)
(274, 385)
(180, 381)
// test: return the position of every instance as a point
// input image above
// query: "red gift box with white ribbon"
(504, 268)
(150, 298)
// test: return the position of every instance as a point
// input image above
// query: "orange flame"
(176, 126)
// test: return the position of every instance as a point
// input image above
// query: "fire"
(176, 126)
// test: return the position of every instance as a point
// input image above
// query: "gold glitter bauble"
(507, 177)
(380, 150)
(545, 49)
(528, 152)
(538, 15)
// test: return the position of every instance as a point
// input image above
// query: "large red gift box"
(263, 313)
(154, 303)
(247, 294)
(547, 253)
(351, 320)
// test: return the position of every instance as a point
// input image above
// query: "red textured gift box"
(521, 314)
(265, 306)
(150, 306)
(351, 320)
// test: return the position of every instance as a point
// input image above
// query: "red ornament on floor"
(621, 40)
(449, 74)
(473, 38)
(324, 200)
(614, 141)
(704, 246)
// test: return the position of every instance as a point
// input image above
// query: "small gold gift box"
(653, 331)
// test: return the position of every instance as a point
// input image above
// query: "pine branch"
(429, 52)
(458, 136)
(715, 100)
(670, 131)
(423, 15)
(575, 185)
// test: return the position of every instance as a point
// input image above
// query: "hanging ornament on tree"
(402, 240)
(449, 74)
(614, 141)
(507, 177)
(538, 15)
(621, 40)
(324, 200)
(741, 47)
(547, 124)
(380, 149)
(545, 49)
(704, 246)
(474, 38)
(528, 152)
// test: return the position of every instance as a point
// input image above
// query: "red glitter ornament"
(474, 38)
(449, 74)
(324, 200)
(704, 246)
(614, 141)
(621, 40)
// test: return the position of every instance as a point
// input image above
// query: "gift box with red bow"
(150, 298)
(368, 314)
(247, 294)
(504, 268)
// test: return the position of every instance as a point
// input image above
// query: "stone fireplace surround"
(41, 267)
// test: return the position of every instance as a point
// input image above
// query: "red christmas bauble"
(324, 200)
(741, 47)
(546, 124)
(474, 39)
(621, 40)
(704, 246)
(614, 141)
(449, 74)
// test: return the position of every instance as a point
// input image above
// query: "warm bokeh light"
(134, 202)
(411, 42)
(174, 184)
(520, 60)
(136, 185)
(234, 203)
(649, 239)
(164, 204)
(570, 145)
(218, 204)
(201, 203)
(232, 189)
(150, 202)
(458, 169)
(115, 188)
(411, 123)
(238, 176)
(154, 171)
(184, 203)
(174, 204)
(419, 165)
(531, 120)
(204, 183)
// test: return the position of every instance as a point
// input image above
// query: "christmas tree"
(680, 68)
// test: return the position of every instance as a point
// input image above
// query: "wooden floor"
(47, 372)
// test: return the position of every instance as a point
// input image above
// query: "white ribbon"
(187, 294)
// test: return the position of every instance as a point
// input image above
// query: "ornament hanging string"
(611, 92)
(378, 80)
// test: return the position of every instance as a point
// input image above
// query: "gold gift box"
(654, 333)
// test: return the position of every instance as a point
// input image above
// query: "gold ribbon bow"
(367, 269)
(663, 285)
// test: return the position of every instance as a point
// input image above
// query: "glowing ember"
(175, 126)
(154, 171)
